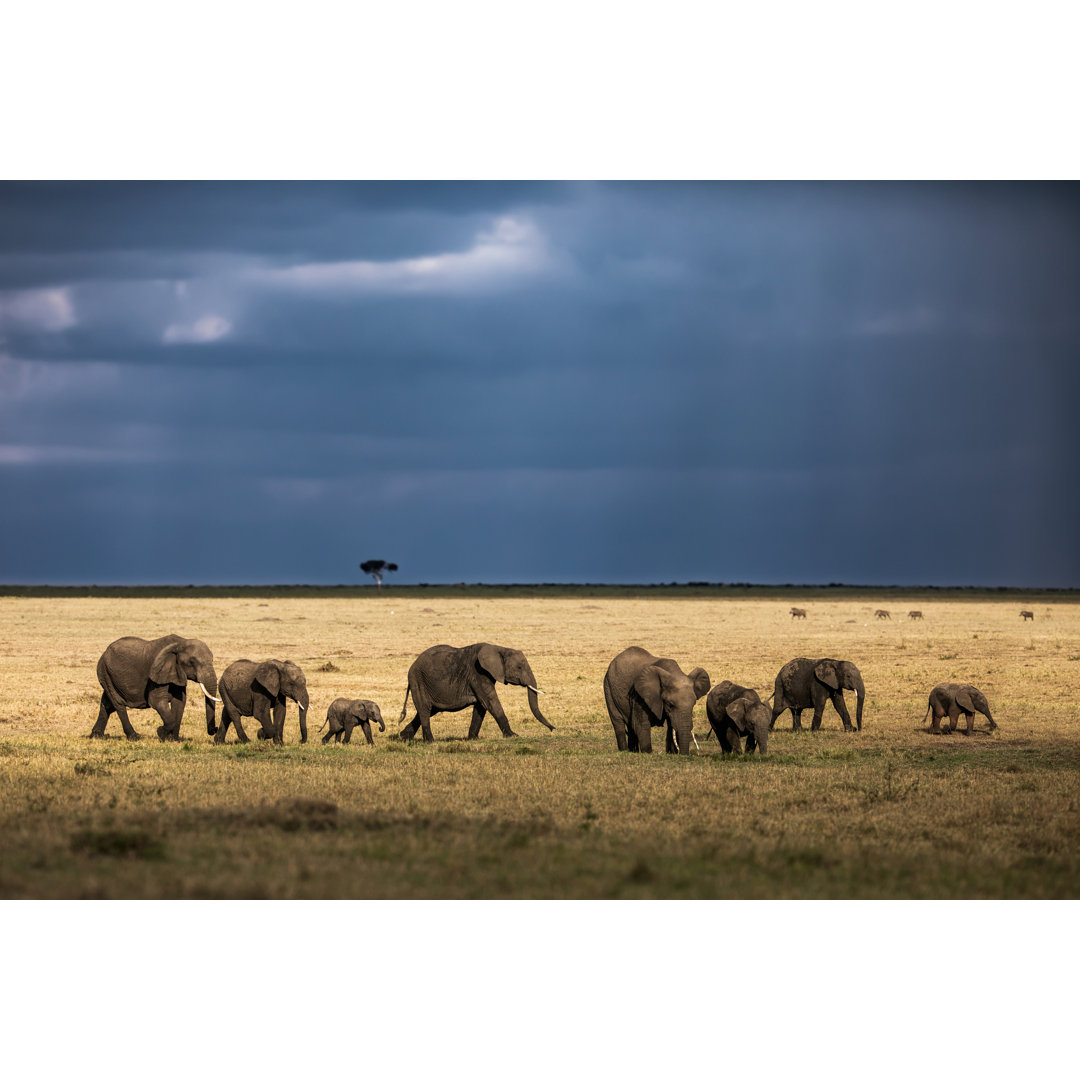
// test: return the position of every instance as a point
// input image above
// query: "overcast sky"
(233, 383)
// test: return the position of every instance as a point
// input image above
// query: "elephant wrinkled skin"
(260, 690)
(138, 674)
(802, 683)
(953, 700)
(343, 715)
(643, 691)
(447, 679)
(735, 711)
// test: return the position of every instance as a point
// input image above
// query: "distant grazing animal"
(643, 691)
(798, 613)
(954, 699)
(446, 679)
(138, 674)
(343, 715)
(881, 613)
(735, 711)
(1027, 615)
(802, 683)
(914, 614)
(260, 690)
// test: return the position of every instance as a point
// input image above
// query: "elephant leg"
(796, 719)
(618, 721)
(935, 722)
(367, 734)
(494, 706)
(327, 737)
(819, 711)
(279, 721)
(410, 729)
(348, 731)
(841, 707)
(104, 711)
(970, 717)
(238, 723)
(669, 740)
(170, 718)
(642, 735)
(478, 714)
(954, 715)
(751, 743)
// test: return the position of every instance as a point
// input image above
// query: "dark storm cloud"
(540, 382)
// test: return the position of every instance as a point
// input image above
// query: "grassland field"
(891, 812)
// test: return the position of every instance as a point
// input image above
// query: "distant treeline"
(832, 591)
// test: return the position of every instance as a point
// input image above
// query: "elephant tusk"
(675, 738)
(694, 737)
(534, 690)
(208, 694)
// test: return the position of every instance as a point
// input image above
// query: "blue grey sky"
(514, 382)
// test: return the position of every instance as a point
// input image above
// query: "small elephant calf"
(735, 711)
(954, 699)
(343, 715)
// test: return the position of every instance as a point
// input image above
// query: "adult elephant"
(802, 684)
(643, 691)
(956, 699)
(139, 674)
(736, 712)
(446, 679)
(343, 715)
(260, 690)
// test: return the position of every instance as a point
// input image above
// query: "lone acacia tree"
(376, 568)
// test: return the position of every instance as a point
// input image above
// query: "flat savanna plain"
(890, 812)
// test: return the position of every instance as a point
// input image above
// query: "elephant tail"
(929, 709)
(405, 704)
(324, 723)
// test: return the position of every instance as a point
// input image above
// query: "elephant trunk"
(682, 735)
(860, 695)
(534, 708)
(382, 726)
(302, 699)
(208, 684)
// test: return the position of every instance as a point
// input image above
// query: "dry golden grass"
(890, 812)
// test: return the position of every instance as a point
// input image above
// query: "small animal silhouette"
(798, 613)
(914, 614)
(1025, 615)
(881, 613)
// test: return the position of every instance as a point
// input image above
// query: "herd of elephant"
(642, 692)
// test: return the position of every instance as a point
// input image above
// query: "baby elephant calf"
(735, 711)
(955, 700)
(343, 715)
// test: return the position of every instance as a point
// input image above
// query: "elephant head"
(670, 696)
(973, 700)
(370, 712)
(510, 666)
(184, 661)
(843, 675)
(285, 678)
(751, 718)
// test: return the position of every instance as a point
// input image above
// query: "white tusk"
(534, 690)
(299, 706)
(675, 738)
(208, 694)
(694, 737)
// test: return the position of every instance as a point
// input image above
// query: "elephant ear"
(490, 659)
(648, 686)
(700, 678)
(166, 669)
(963, 699)
(268, 677)
(825, 671)
(737, 711)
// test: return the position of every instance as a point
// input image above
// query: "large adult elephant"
(802, 684)
(446, 679)
(734, 712)
(643, 691)
(138, 674)
(260, 690)
(954, 700)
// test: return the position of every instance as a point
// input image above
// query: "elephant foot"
(508, 734)
(97, 735)
(134, 737)
(165, 735)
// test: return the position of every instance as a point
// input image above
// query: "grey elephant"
(956, 699)
(643, 691)
(260, 690)
(447, 679)
(734, 712)
(802, 683)
(343, 715)
(138, 674)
